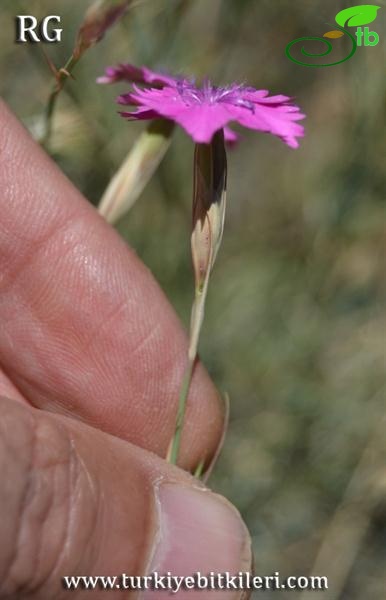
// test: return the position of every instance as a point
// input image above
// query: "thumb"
(79, 502)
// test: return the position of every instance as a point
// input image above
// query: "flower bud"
(209, 199)
(98, 19)
(136, 170)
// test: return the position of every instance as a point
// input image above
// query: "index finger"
(86, 330)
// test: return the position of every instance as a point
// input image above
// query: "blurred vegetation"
(295, 327)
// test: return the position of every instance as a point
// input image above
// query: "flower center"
(210, 94)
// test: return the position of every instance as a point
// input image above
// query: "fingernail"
(198, 532)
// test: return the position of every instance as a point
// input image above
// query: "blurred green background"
(295, 325)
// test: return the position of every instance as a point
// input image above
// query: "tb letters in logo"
(28, 29)
(355, 16)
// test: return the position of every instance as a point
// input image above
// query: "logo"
(26, 26)
(356, 16)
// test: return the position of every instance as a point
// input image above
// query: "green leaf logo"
(357, 15)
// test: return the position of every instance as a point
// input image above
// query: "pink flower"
(201, 111)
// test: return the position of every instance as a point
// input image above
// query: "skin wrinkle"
(150, 336)
(8, 388)
(47, 287)
(75, 464)
(90, 341)
(42, 186)
(28, 382)
(91, 541)
(26, 493)
(67, 527)
(31, 254)
(48, 502)
(26, 385)
(77, 476)
(100, 527)
(74, 481)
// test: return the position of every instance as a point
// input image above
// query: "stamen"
(211, 94)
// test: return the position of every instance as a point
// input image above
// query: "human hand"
(91, 359)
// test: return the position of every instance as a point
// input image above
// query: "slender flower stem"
(62, 76)
(175, 447)
(199, 470)
(195, 329)
(209, 199)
